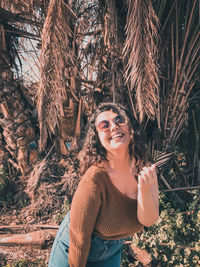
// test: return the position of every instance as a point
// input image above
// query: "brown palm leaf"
(140, 55)
(29, 7)
(161, 158)
(57, 55)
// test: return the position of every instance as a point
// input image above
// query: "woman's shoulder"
(94, 174)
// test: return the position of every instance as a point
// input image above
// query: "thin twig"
(182, 188)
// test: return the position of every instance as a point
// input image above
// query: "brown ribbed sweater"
(99, 207)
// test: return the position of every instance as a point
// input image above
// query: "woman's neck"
(118, 161)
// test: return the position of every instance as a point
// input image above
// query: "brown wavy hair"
(93, 153)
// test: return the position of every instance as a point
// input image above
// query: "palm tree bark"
(18, 131)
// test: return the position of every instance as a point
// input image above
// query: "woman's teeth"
(116, 136)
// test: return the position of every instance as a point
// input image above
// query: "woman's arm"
(148, 196)
(84, 210)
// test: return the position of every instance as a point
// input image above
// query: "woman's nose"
(113, 126)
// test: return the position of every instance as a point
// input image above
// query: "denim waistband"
(107, 241)
(101, 249)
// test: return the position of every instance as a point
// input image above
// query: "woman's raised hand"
(148, 196)
(147, 178)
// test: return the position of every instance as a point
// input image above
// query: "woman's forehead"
(106, 115)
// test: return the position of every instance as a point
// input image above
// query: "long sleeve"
(84, 211)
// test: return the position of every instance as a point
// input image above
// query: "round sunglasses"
(105, 124)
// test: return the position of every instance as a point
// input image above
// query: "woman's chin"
(116, 145)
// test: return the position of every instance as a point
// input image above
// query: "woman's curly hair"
(93, 153)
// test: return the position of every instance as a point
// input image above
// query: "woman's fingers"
(147, 177)
(148, 174)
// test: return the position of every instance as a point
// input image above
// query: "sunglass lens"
(104, 125)
(119, 119)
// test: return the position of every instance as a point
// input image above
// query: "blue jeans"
(103, 253)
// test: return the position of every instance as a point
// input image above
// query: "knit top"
(99, 208)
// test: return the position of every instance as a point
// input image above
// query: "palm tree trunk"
(18, 132)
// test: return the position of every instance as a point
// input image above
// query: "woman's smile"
(116, 136)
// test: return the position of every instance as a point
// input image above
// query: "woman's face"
(113, 131)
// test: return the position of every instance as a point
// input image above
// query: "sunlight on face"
(113, 131)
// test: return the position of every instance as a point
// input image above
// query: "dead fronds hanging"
(25, 6)
(57, 54)
(140, 56)
(179, 65)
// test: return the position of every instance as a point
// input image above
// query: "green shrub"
(7, 186)
(65, 208)
(174, 240)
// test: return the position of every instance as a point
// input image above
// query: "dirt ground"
(32, 204)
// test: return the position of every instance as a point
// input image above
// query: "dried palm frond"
(57, 55)
(140, 55)
(19, 27)
(32, 6)
(13, 17)
(182, 29)
(161, 158)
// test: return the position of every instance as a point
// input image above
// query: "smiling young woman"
(113, 131)
(116, 197)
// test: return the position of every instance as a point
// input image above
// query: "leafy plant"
(65, 209)
(7, 188)
(175, 239)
